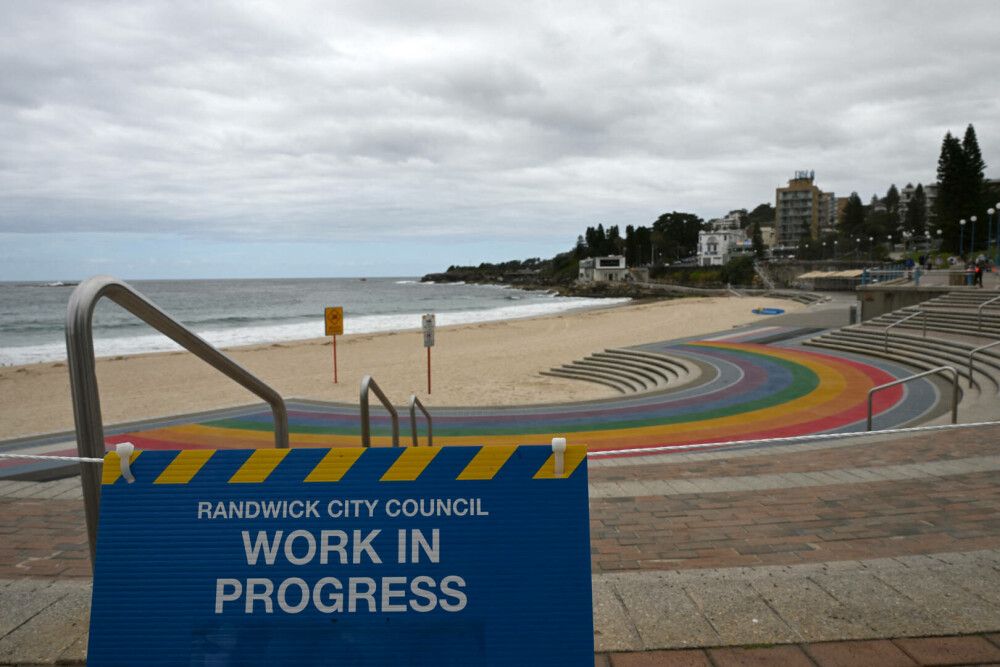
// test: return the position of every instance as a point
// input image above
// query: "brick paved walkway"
(939, 492)
(864, 551)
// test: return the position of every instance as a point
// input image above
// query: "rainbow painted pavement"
(747, 390)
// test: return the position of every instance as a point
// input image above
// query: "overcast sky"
(329, 138)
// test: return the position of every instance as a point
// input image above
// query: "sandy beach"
(492, 363)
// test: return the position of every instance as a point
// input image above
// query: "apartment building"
(802, 208)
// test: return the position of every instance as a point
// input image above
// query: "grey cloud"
(354, 120)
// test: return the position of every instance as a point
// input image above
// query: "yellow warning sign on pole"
(334, 321)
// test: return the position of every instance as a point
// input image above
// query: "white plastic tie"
(124, 451)
(559, 451)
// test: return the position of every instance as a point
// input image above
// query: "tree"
(630, 248)
(950, 173)
(852, 223)
(877, 223)
(614, 244)
(916, 211)
(764, 214)
(637, 245)
(679, 233)
(961, 185)
(975, 180)
(892, 209)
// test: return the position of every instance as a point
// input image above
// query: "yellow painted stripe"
(260, 464)
(410, 464)
(112, 466)
(574, 456)
(334, 465)
(487, 463)
(185, 465)
(841, 387)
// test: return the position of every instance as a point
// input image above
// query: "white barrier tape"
(647, 450)
(798, 438)
(33, 457)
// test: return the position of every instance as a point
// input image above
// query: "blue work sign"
(416, 556)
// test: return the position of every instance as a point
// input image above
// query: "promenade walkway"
(869, 550)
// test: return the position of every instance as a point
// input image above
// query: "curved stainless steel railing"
(898, 322)
(414, 404)
(83, 378)
(954, 391)
(979, 312)
(367, 383)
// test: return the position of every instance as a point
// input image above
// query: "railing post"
(973, 352)
(979, 318)
(368, 383)
(414, 404)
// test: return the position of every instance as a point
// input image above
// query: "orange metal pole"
(335, 359)
(428, 370)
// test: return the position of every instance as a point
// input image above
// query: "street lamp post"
(972, 239)
(961, 239)
(871, 242)
(835, 248)
(857, 248)
(989, 232)
(996, 246)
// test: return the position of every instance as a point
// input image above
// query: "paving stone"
(882, 653)
(46, 636)
(812, 613)
(613, 631)
(949, 650)
(955, 609)
(22, 600)
(875, 604)
(786, 656)
(971, 572)
(737, 612)
(660, 609)
(661, 659)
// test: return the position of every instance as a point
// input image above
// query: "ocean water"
(228, 313)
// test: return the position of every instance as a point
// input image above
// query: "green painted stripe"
(261, 426)
(804, 381)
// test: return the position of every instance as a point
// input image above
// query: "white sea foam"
(257, 335)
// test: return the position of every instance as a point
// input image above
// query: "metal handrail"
(954, 391)
(979, 321)
(414, 404)
(972, 352)
(908, 317)
(366, 428)
(83, 376)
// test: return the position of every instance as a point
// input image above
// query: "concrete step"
(627, 370)
(986, 373)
